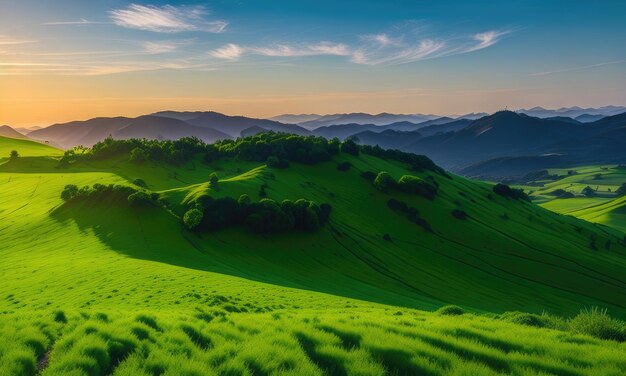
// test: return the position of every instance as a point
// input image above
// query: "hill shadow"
(153, 234)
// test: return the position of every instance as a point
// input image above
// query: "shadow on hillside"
(309, 262)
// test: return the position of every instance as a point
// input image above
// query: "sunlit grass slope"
(26, 148)
(337, 301)
(603, 208)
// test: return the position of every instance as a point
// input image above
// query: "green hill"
(26, 148)
(339, 300)
(603, 207)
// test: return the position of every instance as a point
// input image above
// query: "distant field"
(603, 208)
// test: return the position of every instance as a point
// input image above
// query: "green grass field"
(603, 208)
(98, 288)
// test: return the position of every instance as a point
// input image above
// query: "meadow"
(100, 288)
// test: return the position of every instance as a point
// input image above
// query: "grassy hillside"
(604, 207)
(26, 148)
(339, 301)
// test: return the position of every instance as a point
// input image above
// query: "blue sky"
(261, 58)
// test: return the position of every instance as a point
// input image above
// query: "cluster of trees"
(277, 149)
(266, 216)
(411, 213)
(407, 183)
(514, 193)
(109, 192)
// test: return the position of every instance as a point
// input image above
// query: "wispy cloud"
(228, 52)
(571, 69)
(166, 19)
(80, 22)
(162, 47)
(296, 50)
(6, 41)
(403, 44)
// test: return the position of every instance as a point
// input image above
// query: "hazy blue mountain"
(231, 125)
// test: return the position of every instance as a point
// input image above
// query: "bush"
(588, 191)
(459, 214)
(273, 161)
(597, 323)
(450, 310)
(506, 191)
(69, 192)
(368, 175)
(14, 154)
(384, 181)
(139, 198)
(140, 183)
(349, 147)
(214, 181)
(621, 191)
(414, 185)
(138, 155)
(344, 166)
(192, 218)
(523, 318)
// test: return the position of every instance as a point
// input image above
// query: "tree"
(192, 218)
(213, 181)
(14, 154)
(350, 147)
(621, 191)
(138, 155)
(69, 192)
(139, 198)
(384, 181)
(414, 185)
(588, 191)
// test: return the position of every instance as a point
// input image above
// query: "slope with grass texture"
(26, 148)
(338, 301)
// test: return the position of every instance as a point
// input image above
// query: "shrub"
(138, 155)
(213, 181)
(344, 166)
(273, 161)
(192, 218)
(384, 181)
(387, 237)
(414, 185)
(597, 323)
(14, 154)
(506, 191)
(349, 147)
(140, 183)
(450, 310)
(459, 214)
(523, 318)
(69, 192)
(368, 175)
(588, 191)
(139, 198)
(621, 191)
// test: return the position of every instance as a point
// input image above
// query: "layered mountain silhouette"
(6, 131)
(493, 146)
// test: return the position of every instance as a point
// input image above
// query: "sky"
(65, 60)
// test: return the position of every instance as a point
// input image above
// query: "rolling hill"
(146, 296)
(6, 131)
(26, 148)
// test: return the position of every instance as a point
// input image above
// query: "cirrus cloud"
(165, 19)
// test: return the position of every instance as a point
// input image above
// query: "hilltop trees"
(265, 216)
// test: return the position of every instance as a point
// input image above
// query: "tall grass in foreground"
(302, 342)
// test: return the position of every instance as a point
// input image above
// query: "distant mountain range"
(487, 146)
(6, 131)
